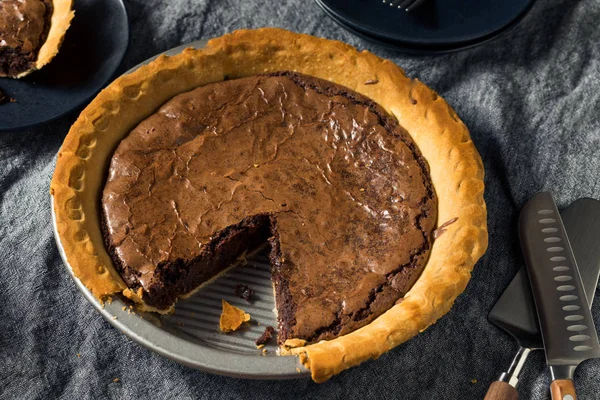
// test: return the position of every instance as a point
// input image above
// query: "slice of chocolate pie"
(336, 185)
(31, 32)
(344, 166)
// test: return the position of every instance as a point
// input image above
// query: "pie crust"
(59, 24)
(456, 171)
(232, 317)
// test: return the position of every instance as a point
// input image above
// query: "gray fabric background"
(532, 102)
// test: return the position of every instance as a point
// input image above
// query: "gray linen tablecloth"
(531, 99)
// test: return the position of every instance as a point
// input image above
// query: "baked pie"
(31, 33)
(334, 157)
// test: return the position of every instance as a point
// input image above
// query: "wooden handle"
(563, 389)
(501, 391)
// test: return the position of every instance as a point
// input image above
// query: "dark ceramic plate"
(93, 49)
(438, 26)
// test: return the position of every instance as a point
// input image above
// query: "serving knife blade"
(514, 312)
(566, 322)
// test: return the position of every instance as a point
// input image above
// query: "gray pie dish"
(191, 336)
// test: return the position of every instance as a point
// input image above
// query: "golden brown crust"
(59, 24)
(232, 317)
(455, 167)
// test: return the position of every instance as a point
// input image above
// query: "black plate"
(93, 49)
(438, 26)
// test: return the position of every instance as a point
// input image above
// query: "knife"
(562, 307)
(514, 312)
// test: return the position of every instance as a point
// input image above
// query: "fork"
(408, 5)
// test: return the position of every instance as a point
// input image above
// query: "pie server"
(514, 312)
(563, 310)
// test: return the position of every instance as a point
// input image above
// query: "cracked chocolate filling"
(325, 175)
(24, 27)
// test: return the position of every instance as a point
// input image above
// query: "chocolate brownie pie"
(31, 32)
(335, 185)
(334, 157)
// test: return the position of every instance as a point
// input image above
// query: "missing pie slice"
(336, 158)
(31, 33)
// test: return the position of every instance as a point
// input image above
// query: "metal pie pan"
(191, 336)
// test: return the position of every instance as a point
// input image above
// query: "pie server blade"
(565, 318)
(514, 312)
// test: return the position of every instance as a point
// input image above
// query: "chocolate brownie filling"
(172, 279)
(24, 26)
(334, 184)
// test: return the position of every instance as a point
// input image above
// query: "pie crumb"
(5, 98)
(264, 351)
(243, 292)
(116, 380)
(265, 337)
(298, 369)
(291, 343)
(114, 317)
(473, 381)
(232, 317)
(260, 346)
(78, 354)
(123, 308)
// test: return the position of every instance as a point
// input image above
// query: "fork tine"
(408, 5)
(414, 5)
(405, 3)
